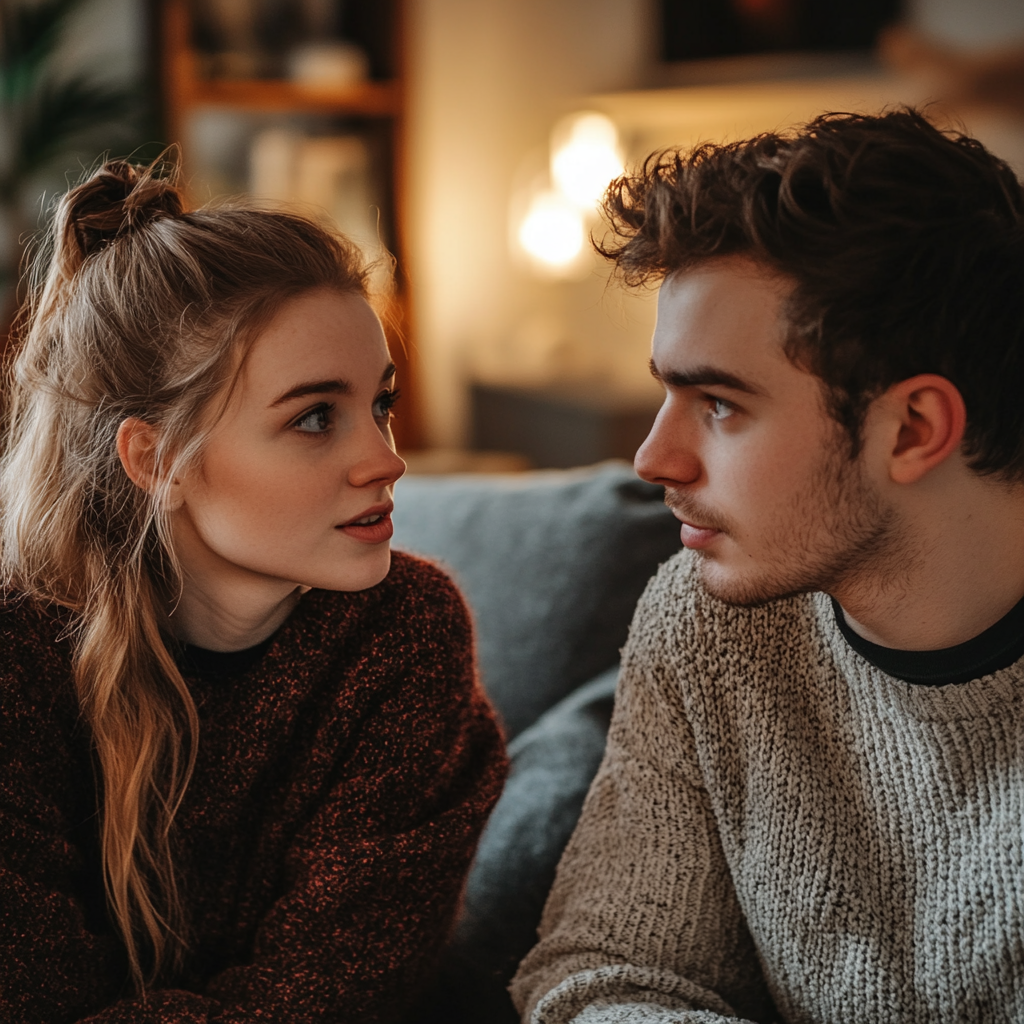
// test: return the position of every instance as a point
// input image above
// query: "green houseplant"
(52, 118)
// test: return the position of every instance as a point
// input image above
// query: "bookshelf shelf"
(371, 99)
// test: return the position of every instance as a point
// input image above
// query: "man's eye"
(316, 421)
(385, 403)
(720, 409)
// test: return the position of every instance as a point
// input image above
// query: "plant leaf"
(29, 34)
(58, 115)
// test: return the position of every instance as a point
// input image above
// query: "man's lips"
(372, 526)
(693, 534)
(694, 537)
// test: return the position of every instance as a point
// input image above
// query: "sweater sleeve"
(371, 881)
(643, 924)
(56, 958)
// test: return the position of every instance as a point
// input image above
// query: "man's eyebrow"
(314, 387)
(702, 377)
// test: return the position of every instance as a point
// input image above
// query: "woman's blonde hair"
(137, 308)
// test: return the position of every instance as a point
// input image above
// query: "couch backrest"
(552, 564)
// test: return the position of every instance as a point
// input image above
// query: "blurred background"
(471, 139)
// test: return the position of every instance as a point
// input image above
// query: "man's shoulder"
(697, 667)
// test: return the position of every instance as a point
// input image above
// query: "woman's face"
(294, 486)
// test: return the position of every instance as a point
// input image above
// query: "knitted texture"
(340, 788)
(779, 830)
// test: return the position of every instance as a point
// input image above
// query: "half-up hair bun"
(119, 198)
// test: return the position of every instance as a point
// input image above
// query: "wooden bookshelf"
(377, 103)
(371, 99)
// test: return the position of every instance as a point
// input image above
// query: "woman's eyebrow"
(325, 387)
(314, 387)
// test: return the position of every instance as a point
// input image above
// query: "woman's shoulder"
(411, 576)
(414, 590)
(413, 626)
(415, 603)
(424, 596)
(35, 660)
(30, 629)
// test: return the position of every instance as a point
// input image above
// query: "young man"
(811, 807)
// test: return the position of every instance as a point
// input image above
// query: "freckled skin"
(772, 501)
(260, 516)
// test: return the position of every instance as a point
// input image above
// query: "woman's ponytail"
(120, 197)
(93, 554)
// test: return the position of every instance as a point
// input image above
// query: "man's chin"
(742, 590)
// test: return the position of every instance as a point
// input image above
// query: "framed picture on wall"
(705, 29)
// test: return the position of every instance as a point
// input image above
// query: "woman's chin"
(356, 574)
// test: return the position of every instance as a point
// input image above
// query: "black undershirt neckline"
(998, 647)
(214, 665)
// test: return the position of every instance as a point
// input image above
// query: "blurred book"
(328, 176)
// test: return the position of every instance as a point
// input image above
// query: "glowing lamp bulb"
(552, 230)
(587, 158)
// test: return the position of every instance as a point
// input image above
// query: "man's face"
(754, 468)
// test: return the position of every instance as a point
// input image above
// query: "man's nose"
(668, 455)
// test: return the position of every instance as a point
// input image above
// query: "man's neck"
(962, 570)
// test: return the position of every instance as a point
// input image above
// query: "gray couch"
(552, 565)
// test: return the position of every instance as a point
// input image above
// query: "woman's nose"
(378, 463)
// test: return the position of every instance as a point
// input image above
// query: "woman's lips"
(377, 532)
(695, 537)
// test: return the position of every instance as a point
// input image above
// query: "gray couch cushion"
(552, 564)
(553, 763)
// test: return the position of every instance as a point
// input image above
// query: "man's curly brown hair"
(904, 245)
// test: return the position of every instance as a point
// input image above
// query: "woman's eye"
(385, 403)
(316, 421)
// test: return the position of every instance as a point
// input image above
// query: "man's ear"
(929, 419)
(136, 448)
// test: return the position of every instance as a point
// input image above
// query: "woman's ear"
(136, 448)
(930, 419)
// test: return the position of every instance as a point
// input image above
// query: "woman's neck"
(227, 622)
(221, 606)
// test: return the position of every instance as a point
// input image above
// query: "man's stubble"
(834, 533)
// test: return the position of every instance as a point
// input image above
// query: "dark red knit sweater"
(341, 785)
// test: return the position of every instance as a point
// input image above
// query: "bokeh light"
(552, 231)
(585, 157)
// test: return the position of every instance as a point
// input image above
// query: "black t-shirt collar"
(998, 647)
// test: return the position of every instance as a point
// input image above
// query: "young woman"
(244, 760)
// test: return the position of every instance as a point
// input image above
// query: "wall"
(488, 79)
(970, 24)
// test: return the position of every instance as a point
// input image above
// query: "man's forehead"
(726, 310)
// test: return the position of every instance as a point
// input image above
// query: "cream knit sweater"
(780, 831)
